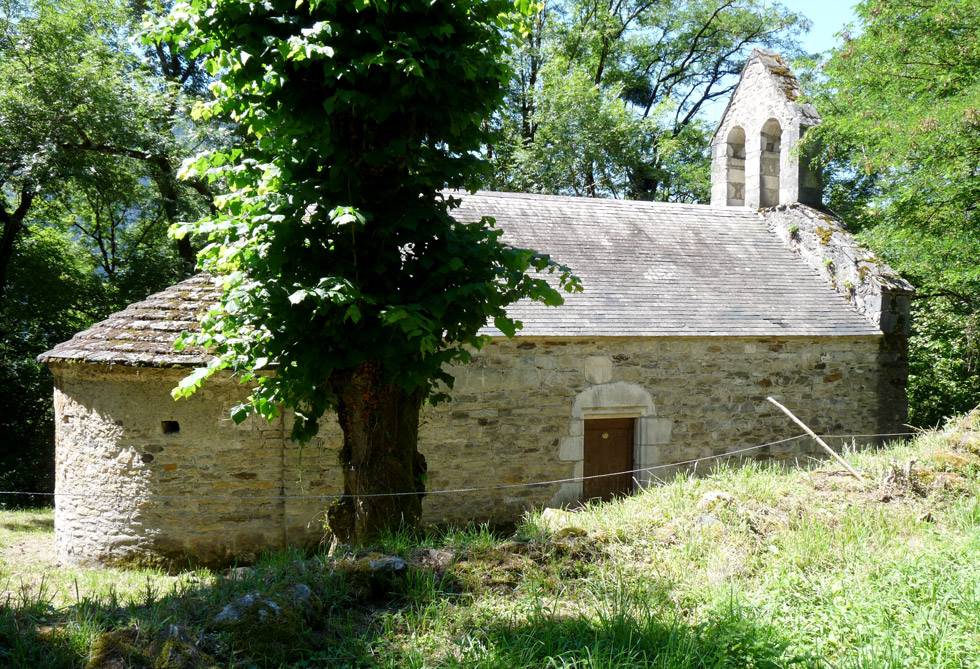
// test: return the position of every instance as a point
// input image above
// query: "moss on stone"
(129, 648)
(118, 649)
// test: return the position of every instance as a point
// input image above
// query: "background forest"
(610, 98)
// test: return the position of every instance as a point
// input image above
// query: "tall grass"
(774, 568)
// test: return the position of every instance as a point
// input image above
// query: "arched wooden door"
(608, 450)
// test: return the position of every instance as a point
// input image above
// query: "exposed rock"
(436, 559)
(391, 563)
(256, 626)
(126, 648)
(556, 520)
(181, 654)
(570, 532)
(499, 569)
(714, 499)
(300, 593)
(263, 607)
(238, 573)
(116, 649)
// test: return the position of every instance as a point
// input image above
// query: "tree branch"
(13, 225)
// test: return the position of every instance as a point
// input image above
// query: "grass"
(753, 566)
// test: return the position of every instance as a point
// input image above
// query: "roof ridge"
(600, 201)
(649, 270)
(783, 79)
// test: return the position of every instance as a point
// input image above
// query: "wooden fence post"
(820, 441)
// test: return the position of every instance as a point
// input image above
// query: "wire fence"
(472, 489)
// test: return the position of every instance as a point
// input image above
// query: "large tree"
(344, 274)
(53, 292)
(92, 131)
(608, 95)
(78, 103)
(901, 136)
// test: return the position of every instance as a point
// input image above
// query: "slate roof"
(143, 333)
(649, 269)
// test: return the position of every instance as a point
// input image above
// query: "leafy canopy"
(901, 134)
(334, 239)
(608, 97)
(89, 129)
(79, 107)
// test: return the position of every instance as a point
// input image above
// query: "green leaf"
(376, 158)
(190, 383)
(240, 412)
(505, 325)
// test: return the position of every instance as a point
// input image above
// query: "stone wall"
(214, 490)
(875, 289)
(766, 92)
(515, 406)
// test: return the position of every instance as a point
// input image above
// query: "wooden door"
(608, 449)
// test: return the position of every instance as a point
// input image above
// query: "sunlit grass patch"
(750, 566)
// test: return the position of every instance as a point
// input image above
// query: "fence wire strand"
(488, 488)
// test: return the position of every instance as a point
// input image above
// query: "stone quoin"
(691, 316)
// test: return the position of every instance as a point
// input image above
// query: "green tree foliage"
(901, 135)
(586, 138)
(76, 101)
(608, 95)
(119, 220)
(87, 250)
(53, 292)
(90, 134)
(343, 270)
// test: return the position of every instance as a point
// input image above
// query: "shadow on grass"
(729, 638)
(36, 524)
(354, 617)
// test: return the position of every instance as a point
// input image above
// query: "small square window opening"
(170, 427)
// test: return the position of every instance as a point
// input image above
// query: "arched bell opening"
(769, 163)
(735, 167)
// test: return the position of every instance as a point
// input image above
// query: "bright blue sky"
(828, 17)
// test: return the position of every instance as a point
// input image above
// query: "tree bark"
(380, 456)
(170, 199)
(8, 236)
(590, 185)
(13, 223)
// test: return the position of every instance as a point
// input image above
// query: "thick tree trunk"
(11, 225)
(380, 421)
(8, 236)
(166, 180)
(590, 185)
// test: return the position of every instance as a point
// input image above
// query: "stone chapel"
(690, 317)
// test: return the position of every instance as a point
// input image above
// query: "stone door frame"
(611, 400)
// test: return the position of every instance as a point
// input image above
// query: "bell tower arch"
(755, 160)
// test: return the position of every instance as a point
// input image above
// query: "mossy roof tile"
(649, 270)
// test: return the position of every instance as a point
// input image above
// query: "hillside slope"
(752, 566)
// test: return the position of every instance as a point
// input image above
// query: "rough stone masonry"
(691, 316)
(216, 491)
